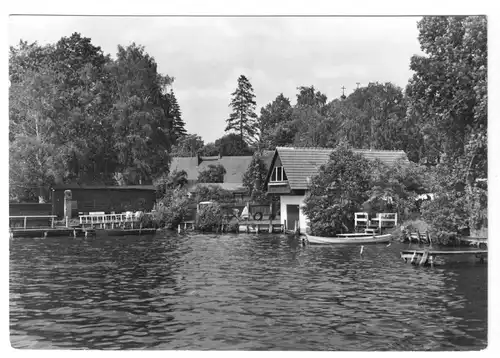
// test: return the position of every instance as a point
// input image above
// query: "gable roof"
(235, 166)
(301, 163)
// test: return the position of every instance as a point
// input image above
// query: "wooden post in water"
(423, 260)
(284, 226)
(25, 219)
(52, 222)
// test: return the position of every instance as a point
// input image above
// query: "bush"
(209, 217)
(213, 174)
(170, 210)
(212, 193)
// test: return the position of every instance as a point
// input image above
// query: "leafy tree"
(55, 98)
(209, 150)
(141, 128)
(448, 96)
(254, 178)
(77, 115)
(242, 120)
(273, 114)
(395, 188)
(309, 97)
(448, 90)
(213, 174)
(232, 145)
(337, 192)
(381, 125)
(187, 146)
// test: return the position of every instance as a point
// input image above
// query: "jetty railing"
(26, 217)
(101, 218)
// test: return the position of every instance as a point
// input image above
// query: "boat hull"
(349, 240)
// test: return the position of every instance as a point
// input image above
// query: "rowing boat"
(348, 240)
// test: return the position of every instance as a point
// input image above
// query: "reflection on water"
(248, 292)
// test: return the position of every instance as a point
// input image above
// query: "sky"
(206, 55)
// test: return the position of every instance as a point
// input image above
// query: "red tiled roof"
(301, 163)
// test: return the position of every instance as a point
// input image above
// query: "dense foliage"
(63, 94)
(212, 193)
(170, 210)
(176, 179)
(213, 174)
(209, 217)
(188, 145)
(254, 178)
(448, 95)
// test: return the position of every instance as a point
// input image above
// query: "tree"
(254, 178)
(309, 97)
(187, 146)
(174, 112)
(448, 89)
(57, 98)
(232, 145)
(170, 210)
(243, 117)
(209, 150)
(448, 96)
(337, 192)
(213, 174)
(174, 180)
(141, 126)
(381, 124)
(273, 118)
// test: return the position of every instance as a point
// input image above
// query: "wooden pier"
(251, 226)
(427, 256)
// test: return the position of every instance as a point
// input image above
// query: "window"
(278, 175)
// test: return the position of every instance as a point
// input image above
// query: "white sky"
(206, 55)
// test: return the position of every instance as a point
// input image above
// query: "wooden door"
(292, 215)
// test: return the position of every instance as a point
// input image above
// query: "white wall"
(293, 200)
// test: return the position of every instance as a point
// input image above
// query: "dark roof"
(235, 166)
(103, 187)
(301, 163)
(233, 187)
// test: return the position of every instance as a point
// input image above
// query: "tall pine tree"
(178, 125)
(243, 119)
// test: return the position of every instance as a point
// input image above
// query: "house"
(89, 198)
(235, 167)
(291, 170)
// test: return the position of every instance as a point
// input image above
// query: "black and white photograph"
(248, 182)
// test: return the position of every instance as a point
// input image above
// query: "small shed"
(88, 198)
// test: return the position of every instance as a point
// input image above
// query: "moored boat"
(374, 239)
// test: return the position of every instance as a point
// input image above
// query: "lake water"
(238, 292)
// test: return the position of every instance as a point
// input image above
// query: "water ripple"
(238, 292)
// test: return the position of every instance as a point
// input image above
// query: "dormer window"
(278, 175)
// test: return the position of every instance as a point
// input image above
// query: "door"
(292, 215)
